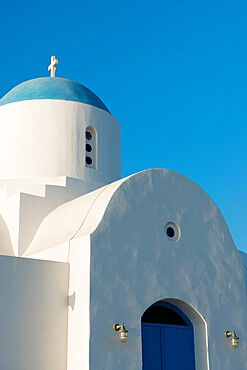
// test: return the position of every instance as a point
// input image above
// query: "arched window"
(91, 147)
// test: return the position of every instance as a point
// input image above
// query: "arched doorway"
(167, 338)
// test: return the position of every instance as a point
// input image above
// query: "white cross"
(52, 66)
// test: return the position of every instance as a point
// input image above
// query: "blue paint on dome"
(52, 88)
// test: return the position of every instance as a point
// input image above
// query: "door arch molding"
(194, 318)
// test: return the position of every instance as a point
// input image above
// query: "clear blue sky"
(173, 73)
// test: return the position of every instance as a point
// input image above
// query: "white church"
(99, 272)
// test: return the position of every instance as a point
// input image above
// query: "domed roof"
(52, 88)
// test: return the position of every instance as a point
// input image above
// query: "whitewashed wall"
(130, 264)
(79, 305)
(46, 138)
(133, 265)
(34, 314)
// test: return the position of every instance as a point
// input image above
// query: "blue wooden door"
(167, 347)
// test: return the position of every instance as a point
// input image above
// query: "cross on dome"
(52, 66)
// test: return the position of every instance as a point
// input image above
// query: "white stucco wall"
(10, 214)
(22, 212)
(244, 258)
(79, 288)
(46, 138)
(74, 219)
(34, 314)
(133, 265)
(130, 264)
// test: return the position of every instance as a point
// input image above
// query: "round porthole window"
(88, 148)
(172, 231)
(88, 160)
(88, 135)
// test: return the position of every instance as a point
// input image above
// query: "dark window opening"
(88, 160)
(88, 148)
(170, 232)
(162, 315)
(88, 135)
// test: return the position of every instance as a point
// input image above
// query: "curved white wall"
(133, 264)
(43, 138)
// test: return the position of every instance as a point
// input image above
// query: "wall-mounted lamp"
(233, 338)
(122, 332)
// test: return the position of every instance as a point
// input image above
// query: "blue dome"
(52, 88)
